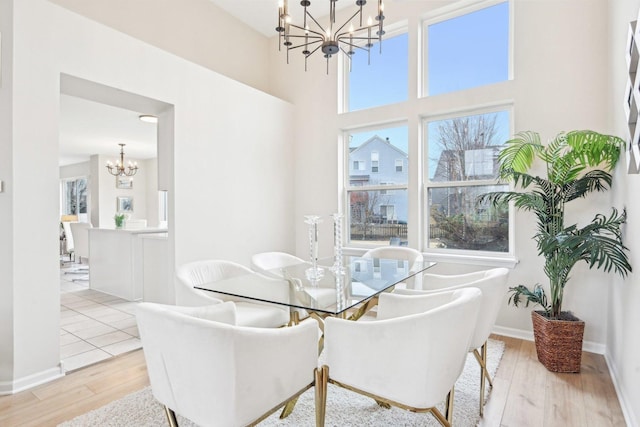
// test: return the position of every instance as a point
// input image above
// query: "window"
(73, 194)
(359, 165)
(461, 53)
(375, 161)
(367, 71)
(468, 50)
(377, 204)
(462, 165)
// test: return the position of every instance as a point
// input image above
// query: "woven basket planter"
(558, 342)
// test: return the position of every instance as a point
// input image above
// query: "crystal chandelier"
(119, 169)
(332, 39)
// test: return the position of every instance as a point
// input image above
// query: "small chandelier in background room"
(333, 38)
(119, 169)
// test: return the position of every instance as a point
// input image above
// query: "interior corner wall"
(220, 127)
(151, 191)
(623, 320)
(6, 196)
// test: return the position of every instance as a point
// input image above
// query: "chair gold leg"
(288, 408)
(448, 407)
(322, 375)
(294, 318)
(481, 357)
(171, 416)
(382, 404)
(483, 352)
(441, 418)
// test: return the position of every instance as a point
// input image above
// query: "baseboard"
(513, 333)
(590, 346)
(24, 383)
(627, 413)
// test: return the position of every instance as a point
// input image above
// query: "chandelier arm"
(353, 45)
(313, 51)
(347, 21)
(305, 45)
(315, 39)
(314, 20)
(360, 29)
(306, 30)
(342, 40)
(346, 53)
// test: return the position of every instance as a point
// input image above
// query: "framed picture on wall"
(124, 204)
(125, 182)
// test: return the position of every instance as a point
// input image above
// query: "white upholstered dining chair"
(413, 256)
(79, 238)
(364, 356)
(271, 264)
(80, 233)
(250, 283)
(493, 285)
(205, 368)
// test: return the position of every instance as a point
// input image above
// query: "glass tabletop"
(324, 292)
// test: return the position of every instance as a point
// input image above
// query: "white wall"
(215, 211)
(623, 325)
(76, 170)
(197, 30)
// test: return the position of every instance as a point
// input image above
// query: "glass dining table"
(325, 292)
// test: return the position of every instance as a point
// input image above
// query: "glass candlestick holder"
(313, 273)
(338, 267)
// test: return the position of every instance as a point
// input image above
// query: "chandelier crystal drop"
(119, 169)
(330, 39)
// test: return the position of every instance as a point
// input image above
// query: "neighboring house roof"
(377, 138)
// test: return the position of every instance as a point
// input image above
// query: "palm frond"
(519, 153)
(537, 296)
(600, 243)
(594, 149)
(595, 180)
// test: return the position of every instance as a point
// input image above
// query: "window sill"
(507, 261)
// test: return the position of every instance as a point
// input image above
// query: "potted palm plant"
(577, 163)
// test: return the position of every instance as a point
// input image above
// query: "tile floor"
(93, 326)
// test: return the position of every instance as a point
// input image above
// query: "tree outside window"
(462, 165)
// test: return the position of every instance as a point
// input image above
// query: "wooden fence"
(378, 231)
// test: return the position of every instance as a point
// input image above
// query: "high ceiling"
(262, 15)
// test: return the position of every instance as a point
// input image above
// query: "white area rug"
(344, 408)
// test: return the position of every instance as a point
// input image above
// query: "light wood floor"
(524, 392)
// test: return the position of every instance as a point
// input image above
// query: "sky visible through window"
(390, 67)
(463, 52)
(468, 51)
